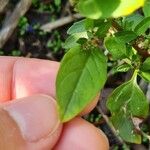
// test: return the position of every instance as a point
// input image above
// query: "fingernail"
(36, 116)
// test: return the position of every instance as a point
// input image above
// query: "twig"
(3, 3)
(11, 22)
(116, 25)
(145, 54)
(66, 9)
(148, 92)
(61, 22)
(110, 125)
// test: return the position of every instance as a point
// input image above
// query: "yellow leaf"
(127, 7)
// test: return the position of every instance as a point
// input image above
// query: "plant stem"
(113, 130)
(134, 76)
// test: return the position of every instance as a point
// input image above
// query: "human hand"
(29, 119)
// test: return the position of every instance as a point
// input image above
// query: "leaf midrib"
(77, 84)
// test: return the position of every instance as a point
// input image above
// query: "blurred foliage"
(29, 27)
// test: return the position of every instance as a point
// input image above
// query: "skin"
(29, 118)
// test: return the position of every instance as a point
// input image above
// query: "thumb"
(29, 123)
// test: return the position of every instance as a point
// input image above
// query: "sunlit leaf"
(75, 85)
(99, 9)
(116, 47)
(127, 7)
(146, 8)
(77, 27)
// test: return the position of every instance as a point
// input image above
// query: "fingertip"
(30, 123)
(78, 134)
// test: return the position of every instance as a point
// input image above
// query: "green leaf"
(122, 68)
(125, 128)
(146, 65)
(142, 26)
(131, 53)
(146, 8)
(103, 29)
(116, 47)
(57, 2)
(82, 41)
(145, 75)
(98, 22)
(77, 27)
(127, 7)
(130, 22)
(128, 96)
(75, 85)
(127, 101)
(126, 36)
(96, 9)
(71, 41)
(89, 24)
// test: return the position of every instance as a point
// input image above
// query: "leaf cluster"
(119, 34)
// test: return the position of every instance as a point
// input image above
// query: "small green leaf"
(89, 24)
(103, 29)
(126, 36)
(75, 85)
(71, 42)
(145, 75)
(130, 52)
(122, 68)
(146, 65)
(77, 27)
(116, 47)
(125, 128)
(82, 41)
(130, 22)
(142, 26)
(146, 9)
(98, 22)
